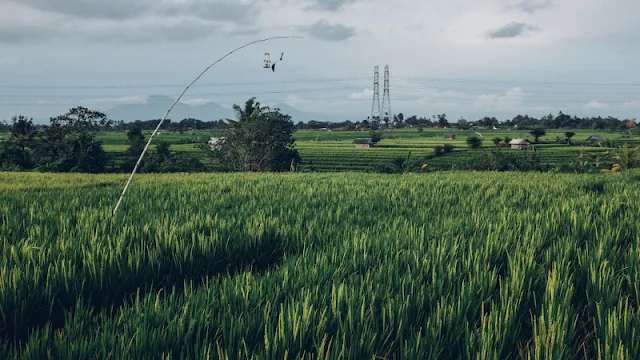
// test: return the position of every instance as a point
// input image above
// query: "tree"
(261, 139)
(496, 141)
(463, 124)
(568, 135)
(69, 144)
(136, 146)
(442, 120)
(375, 135)
(162, 159)
(18, 148)
(474, 142)
(537, 133)
(507, 140)
(82, 119)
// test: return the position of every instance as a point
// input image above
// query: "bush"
(474, 142)
(448, 148)
(498, 161)
(438, 151)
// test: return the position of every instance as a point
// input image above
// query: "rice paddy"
(320, 266)
(334, 151)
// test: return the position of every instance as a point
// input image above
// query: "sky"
(465, 58)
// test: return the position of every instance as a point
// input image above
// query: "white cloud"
(364, 94)
(633, 104)
(197, 101)
(596, 105)
(295, 100)
(119, 100)
(511, 100)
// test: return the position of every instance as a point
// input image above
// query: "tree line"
(398, 121)
(261, 139)
(524, 122)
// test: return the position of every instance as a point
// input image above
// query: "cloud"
(244, 31)
(529, 6)
(511, 30)
(119, 100)
(196, 101)
(109, 31)
(512, 99)
(331, 5)
(223, 10)
(323, 30)
(633, 104)
(364, 94)
(234, 11)
(596, 105)
(295, 100)
(122, 21)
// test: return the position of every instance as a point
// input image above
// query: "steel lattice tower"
(386, 98)
(375, 106)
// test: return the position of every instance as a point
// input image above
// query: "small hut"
(519, 144)
(364, 143)
(449, 136)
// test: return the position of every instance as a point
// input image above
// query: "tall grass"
(322, 266)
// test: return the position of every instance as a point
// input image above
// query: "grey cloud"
(529, 6)
(331, 5)
(184, 30)
(17, 34)
(121, 32)
(323, 30)
(99, 9)
(511, 30)
(220, 10)
(244, 31)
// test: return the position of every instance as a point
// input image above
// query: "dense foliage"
(559, 121)
(261, 139)
(427, 266)
(68, 144)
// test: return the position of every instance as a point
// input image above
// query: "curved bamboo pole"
(115, 210)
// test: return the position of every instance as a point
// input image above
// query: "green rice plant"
(322, 266)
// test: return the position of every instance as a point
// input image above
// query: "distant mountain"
(157, 106)
(299, 115)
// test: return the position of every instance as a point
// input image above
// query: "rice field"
(334, 151)
(320, 266)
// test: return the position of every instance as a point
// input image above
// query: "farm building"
(215, 142)
(364, 143)
(595, 138)
(520, 144)
(449, 136)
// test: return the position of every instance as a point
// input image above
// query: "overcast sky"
(466, 58)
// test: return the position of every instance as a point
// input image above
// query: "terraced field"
(334, 151)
